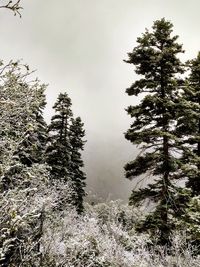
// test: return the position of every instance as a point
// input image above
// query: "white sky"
(78, 46)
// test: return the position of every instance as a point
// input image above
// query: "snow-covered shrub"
(115, 212)
(86, 241)
(35, 233)
(23, 211)
(89, 241)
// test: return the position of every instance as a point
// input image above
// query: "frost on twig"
(14, 6)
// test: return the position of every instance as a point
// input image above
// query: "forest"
(45, 216)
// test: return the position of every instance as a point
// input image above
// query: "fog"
(78, 46)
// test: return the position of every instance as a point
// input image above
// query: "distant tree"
(78, 177)
(58, 152)
(63, 153)
(156, 59)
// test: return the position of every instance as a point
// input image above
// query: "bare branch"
(14, 7)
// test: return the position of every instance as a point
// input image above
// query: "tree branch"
(14, 7)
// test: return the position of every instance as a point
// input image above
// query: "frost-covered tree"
(23, 212)
(156, 60)
(22, 127)
(22, 102)
(78, 177)
(31, 149)
(21, 218)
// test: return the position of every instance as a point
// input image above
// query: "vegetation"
(44, 220)
(166, 130)
(63, 149)
(156, 60)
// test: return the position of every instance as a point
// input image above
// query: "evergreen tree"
(78, 176)
(22, 101)
(58, 152)
(27, 137)
(156, 59)
(41, 126)
(63, 150)
(31, 149)
(188, 127)
(188, 130)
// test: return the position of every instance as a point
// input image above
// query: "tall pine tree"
(63, 151)
(156, 60)
(58, 152)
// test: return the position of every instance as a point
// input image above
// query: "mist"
(78, 47)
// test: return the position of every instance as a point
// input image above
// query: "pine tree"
(188, 130)
(63, 150)
(156, 59)
(41, 126)
(78, 176)
(188, 127)
(58, 152)
(58, 146)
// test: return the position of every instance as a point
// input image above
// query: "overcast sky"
(78, 46)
